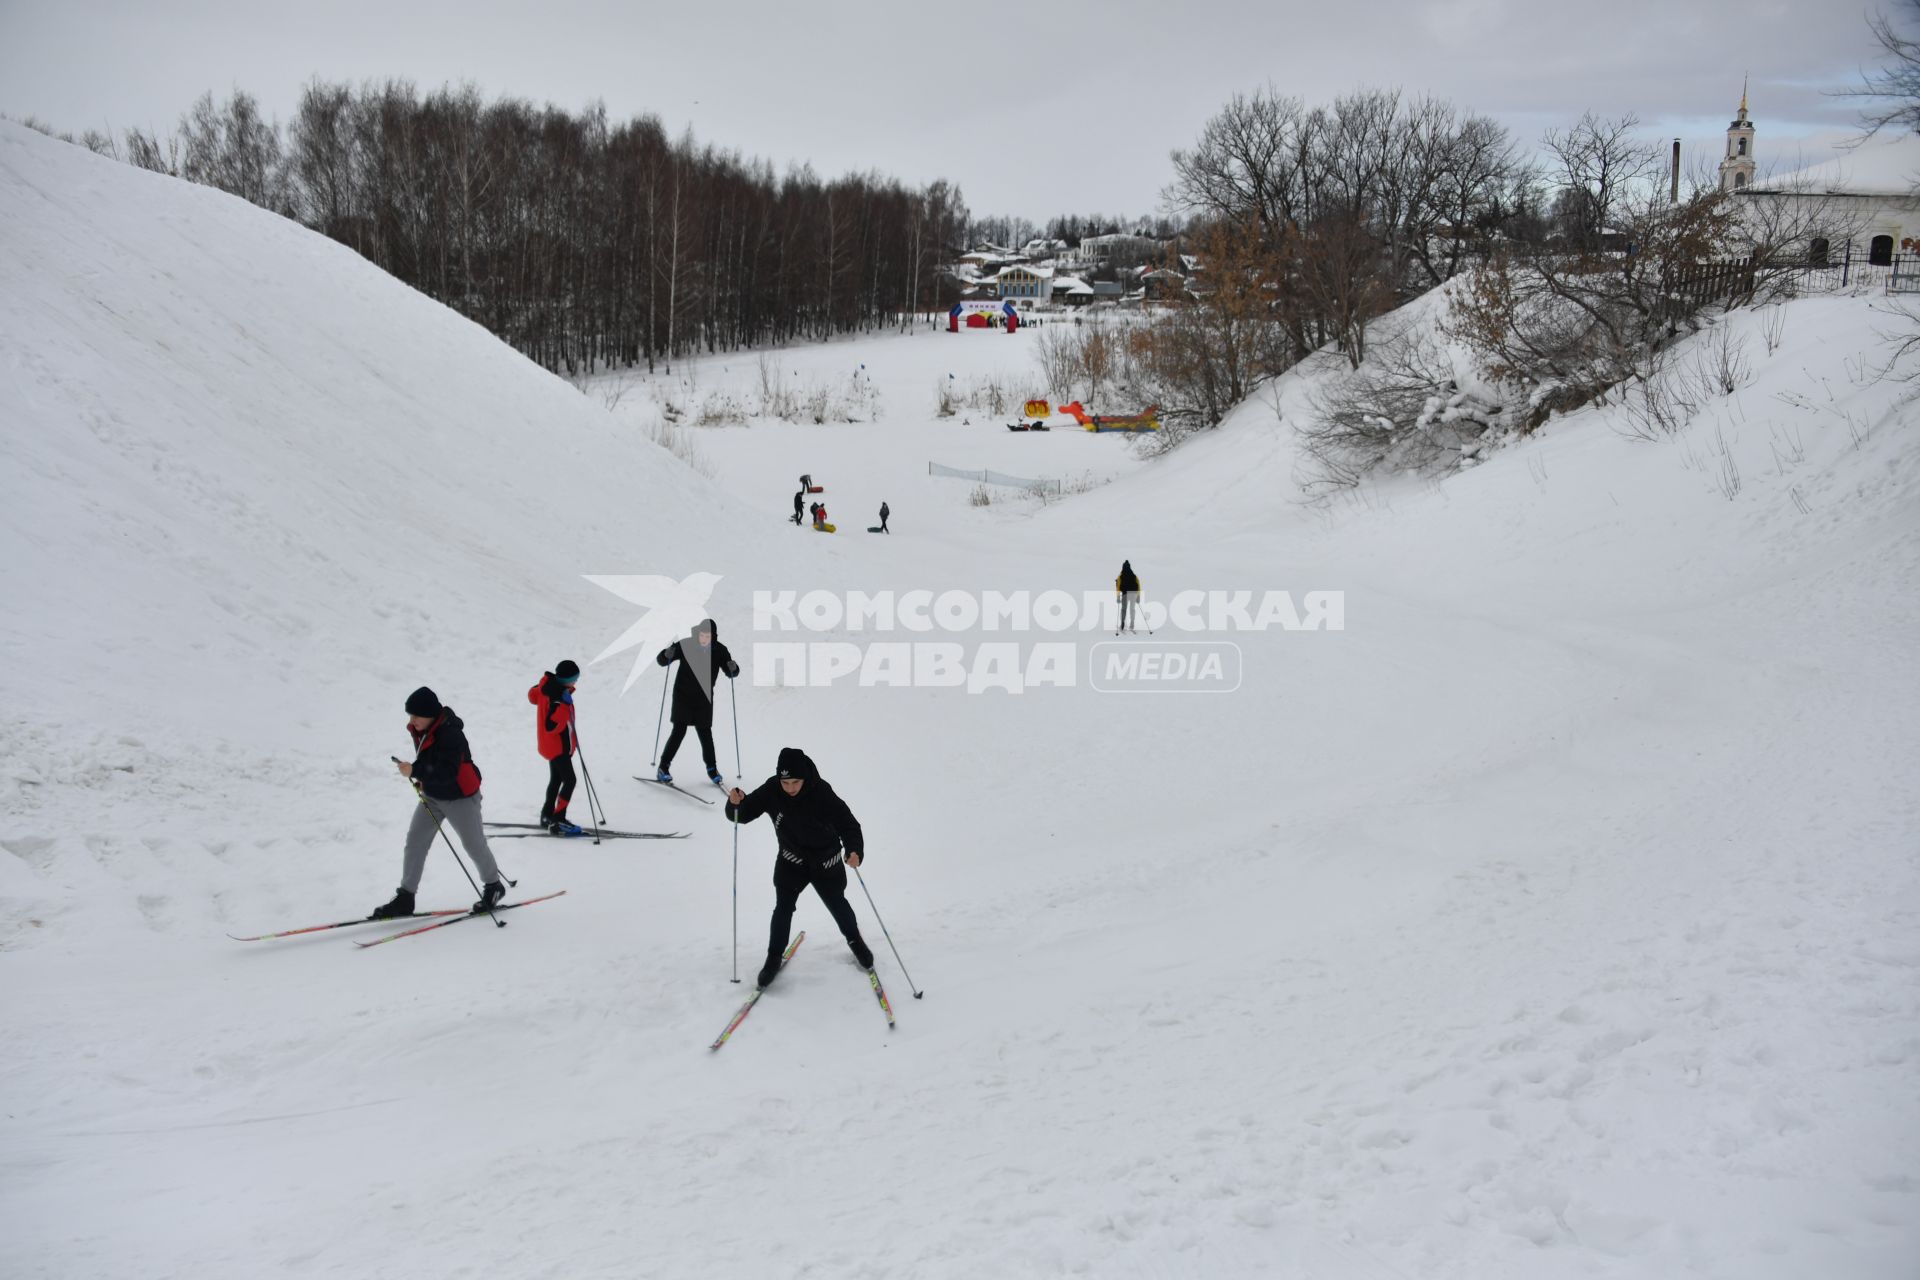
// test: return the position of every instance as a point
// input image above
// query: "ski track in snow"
(1556, 918)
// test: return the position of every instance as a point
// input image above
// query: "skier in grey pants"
(449, 786)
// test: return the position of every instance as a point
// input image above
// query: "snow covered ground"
(1557, 917)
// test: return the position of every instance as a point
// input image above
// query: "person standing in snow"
(798, 499)
(552, 699)
(818, 839)
(1126, 589)
(449, 787)
(702, 659)
(883, 516)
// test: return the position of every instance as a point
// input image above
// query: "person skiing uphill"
(1126, 589)
(449, 786)
(702, 658)
(552, 699)
(818, 839)
(884, 513)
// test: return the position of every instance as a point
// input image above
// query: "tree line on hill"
(1311, 223)
(583, 242)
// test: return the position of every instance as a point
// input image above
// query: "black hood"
(693, 633)
(795, 764)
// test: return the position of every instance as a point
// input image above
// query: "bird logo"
(672, 610)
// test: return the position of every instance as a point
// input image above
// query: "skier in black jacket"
(444, 771)
(702, 658)
(1126, 589)
(819, 839)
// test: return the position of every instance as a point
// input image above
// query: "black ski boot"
(490, 895)
(400, 907)
(861, 952)
(768, 972)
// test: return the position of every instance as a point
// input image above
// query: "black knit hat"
(568, 670)
(422, 702)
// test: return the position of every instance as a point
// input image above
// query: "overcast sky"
(1034, 108)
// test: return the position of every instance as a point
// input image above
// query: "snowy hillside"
(1554, 918)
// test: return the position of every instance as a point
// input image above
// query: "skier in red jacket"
(552, 699)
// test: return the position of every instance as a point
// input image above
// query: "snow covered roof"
(1881, 166)
(1044, 273)
(1073, 285)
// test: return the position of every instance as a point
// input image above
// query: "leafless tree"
(1893, 90)
(1599, 164)
(232, 148)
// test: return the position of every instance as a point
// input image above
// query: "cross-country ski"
(346, 924)
(474, 914)
(759, 989)
(674, 786)
(880, 994)
(588, 836)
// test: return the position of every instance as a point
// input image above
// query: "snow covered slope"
(1555, 918)
(241, 466)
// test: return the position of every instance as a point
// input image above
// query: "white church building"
(1870, 195)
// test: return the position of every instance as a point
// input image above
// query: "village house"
(1025, 282)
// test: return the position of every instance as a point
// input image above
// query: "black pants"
(679, 735)
(883, 525)
(789, 879)
(560, 780)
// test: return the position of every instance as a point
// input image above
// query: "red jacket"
(553, 718)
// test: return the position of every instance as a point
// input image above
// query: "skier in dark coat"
(819, 838)
(884, 513)
(553, 733)
(444, 771)
(702, 659)
(1126, 589)
(798, 500)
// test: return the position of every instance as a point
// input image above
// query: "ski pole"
(441, 831)
(736, 900)
(889, 937)
(593, 800)
(661, 718)
(733, 687)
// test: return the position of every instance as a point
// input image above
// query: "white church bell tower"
(1736, 167)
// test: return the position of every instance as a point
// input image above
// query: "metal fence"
(1853, 268)
(1845, 270)
(995, 477)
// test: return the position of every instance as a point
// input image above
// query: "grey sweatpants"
(464, 817)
